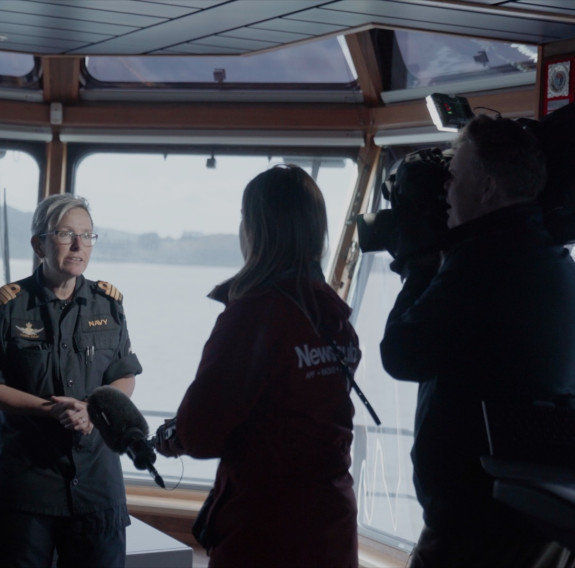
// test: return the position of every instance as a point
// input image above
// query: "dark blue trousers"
(96, 540)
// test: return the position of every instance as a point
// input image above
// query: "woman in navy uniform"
(61, 336)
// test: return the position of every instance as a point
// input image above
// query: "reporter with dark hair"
(61, 337)
(491, 318)
(269, 397)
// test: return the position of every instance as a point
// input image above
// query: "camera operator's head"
(496, 163)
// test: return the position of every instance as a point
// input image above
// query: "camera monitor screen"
(448, 113)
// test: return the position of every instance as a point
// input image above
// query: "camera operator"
(492, 316)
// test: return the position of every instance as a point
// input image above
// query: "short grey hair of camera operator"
(510, 153)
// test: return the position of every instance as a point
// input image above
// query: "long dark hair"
(285, 228)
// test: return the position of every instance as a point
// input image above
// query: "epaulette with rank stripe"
(110, 290)
(9, 292)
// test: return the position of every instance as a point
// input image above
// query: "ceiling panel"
(38, 12)
(236, 43)
(221, 18)
(26, 46)
(419, 16)
(543, 5)
(271, 35)
(338, 16)
(307, 26)
(165, 10)
(135, 27)
(61, 43)
(200, 49)
(33, 22)
(12, 30)
(190, 4)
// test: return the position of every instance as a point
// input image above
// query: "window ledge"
(373, 554)
(174, 513)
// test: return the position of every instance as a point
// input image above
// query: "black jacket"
(496, 321)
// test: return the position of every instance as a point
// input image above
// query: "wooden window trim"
(174, 512)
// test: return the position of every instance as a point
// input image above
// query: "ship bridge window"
(16, 66)
(19, 76)
(418, 63)
(323, 66)
(388, 510)
(168, 226)
(19, 183)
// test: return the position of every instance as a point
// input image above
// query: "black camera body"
(415, 189)
(416, 222)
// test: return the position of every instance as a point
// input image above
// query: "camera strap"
(348, 373)
(350, 379)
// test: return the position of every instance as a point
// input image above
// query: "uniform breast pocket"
(98, 350)
(28, 365)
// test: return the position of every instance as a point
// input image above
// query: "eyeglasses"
(66, 237)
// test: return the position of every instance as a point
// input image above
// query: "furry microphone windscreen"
(116, 417)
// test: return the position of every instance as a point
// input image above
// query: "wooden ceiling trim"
(369, 78)
(559, 48)
(56, 160)
(232, 116)
(21, 113)
(514, 104)
(61, 79)
(191, 116)
(219, 116)
(347, 251)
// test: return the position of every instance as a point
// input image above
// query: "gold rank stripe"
(9, 292)
(110, 290)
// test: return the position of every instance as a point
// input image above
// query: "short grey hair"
(50, 211)
(509, 152)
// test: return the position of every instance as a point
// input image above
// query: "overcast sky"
(141, 193)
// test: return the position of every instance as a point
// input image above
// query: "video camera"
(415, 186)
(415, 190)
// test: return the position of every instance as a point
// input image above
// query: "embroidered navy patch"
(28, 329)
(103, 322)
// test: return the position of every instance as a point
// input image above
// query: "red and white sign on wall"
(558, 88)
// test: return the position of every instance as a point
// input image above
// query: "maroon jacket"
(271, 401)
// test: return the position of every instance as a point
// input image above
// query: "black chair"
(532, 458)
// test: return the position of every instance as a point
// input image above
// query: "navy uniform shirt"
(68, 348)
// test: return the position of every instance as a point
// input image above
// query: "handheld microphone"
(123, 428)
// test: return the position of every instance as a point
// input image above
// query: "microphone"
(123, 428)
